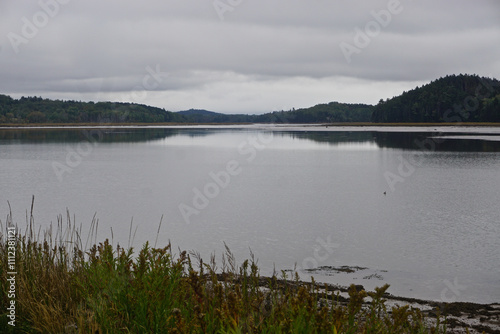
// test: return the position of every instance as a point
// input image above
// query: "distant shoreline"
(360, 124)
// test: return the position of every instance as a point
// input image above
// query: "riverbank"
(55, 284)
(460, 316)
(344, 124)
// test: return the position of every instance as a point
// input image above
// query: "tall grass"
(62, 287)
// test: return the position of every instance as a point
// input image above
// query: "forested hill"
(205, 116)
(39, 110)
(454, 98)
(33, 110)
(333, 112)
(321, 113)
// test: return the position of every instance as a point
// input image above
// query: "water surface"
(418, 208)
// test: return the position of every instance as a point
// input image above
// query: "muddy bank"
(458, 316)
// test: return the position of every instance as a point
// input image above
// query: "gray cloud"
(263, 55)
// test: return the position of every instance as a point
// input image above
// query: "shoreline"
(456, 317)
(476, 317)
(350, 124)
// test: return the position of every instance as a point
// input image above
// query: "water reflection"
(422, 141)
(432, 141)
(441, 222)
(331, 137)
(8, 136)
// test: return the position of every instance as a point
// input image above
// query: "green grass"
(61, 288)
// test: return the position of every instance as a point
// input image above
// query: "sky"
(241, 56)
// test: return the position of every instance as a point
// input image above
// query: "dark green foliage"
(33, 110)
(454, 98)
(60, 288)
(205, 116)
(38, 110)
(333, 112)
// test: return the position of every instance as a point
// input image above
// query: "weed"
(64, 288)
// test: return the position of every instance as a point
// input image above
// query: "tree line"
(39, 110)
(33, 110)
(454, 98)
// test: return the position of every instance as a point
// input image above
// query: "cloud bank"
(241, 56)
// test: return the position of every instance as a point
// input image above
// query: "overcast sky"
(241, 56)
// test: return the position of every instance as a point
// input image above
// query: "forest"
(454, 98)
(36, 110)
(39, 110)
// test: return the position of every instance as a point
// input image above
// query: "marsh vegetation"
(64, 286)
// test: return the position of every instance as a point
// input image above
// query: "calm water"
(310, 198)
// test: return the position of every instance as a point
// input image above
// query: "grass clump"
(61, 288)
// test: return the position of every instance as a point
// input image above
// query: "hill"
(332, 112)
(321, 113)
(39, 110)
(33, 110)
(454, 98)
(205, 116)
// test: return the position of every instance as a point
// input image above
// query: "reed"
(63, 287)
